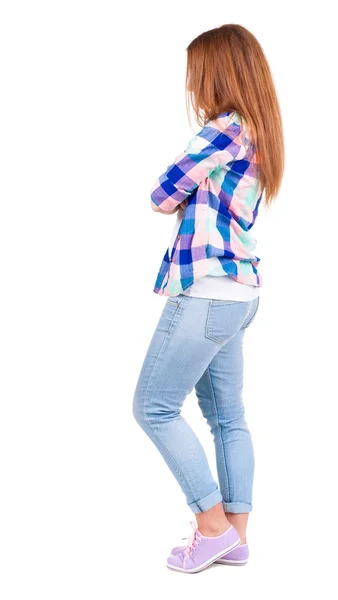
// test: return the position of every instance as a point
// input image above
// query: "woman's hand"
(179, 207)
(182, 206)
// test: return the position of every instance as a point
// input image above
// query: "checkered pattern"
(217, 174)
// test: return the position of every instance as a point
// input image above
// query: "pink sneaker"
(237, 557)
(201, 551)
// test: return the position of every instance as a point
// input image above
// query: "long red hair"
(227, 70)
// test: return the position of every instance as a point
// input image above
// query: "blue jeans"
(198, 344)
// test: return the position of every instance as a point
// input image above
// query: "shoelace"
(193, 540)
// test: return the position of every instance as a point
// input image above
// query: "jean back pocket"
(225, 319)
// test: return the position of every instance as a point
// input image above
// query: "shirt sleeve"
(209, 148)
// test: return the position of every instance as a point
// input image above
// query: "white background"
(92, 111)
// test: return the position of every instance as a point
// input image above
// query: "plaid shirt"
(217, 174)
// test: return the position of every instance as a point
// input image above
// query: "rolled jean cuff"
(237, 507)
(206, 502)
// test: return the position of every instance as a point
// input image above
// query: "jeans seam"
(157, 358)
(253, 316)
(175, 302)
(160, 350)
(220, 431)
(209, 324)
(146, 399)
(177, 311)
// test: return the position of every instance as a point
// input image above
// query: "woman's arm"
(169, 212)
(205, 151)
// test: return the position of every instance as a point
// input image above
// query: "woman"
(210, 276)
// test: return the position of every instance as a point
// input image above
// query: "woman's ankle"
(213, 530)
(239, 521)
(212, 522)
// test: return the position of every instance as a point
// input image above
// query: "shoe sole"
(206, 563)
(232, 563)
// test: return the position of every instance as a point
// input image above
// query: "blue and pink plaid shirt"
(217, 174)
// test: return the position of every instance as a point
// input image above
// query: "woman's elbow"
(155, 207)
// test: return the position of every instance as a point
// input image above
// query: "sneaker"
(237, 557)
(201, 551)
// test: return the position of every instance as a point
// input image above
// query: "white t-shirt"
(215, 287)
